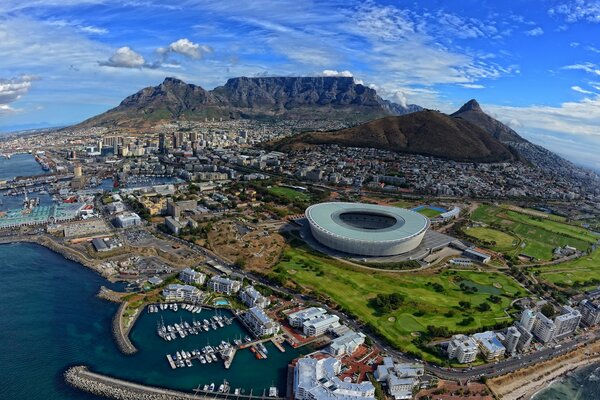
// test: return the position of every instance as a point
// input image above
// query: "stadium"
(366, 229)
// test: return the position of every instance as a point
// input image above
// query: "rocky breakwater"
(80, 377)
(120, 332)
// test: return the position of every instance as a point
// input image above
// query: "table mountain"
(255, 98)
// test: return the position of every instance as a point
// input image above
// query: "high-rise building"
(590, 312)
(527, 319)
(567, 322)
(162, 143)
(511, 339)
(543, 328)
(193, 136)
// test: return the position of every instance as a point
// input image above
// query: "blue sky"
(532, 64)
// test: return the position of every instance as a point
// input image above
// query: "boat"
(188, 362)
(221, 388)
(202, 359)
(262, 348)
(205, 388)
(272, 391)
(178, 355)
(211, 387)
(214, 357)
(175, 307)
(248, 339)
(236, 391)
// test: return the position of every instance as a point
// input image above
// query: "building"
(399, 379)
(366, 229)
(220, 284)
(174, 209)
(105, 244)
(590, 312)
(259, 322)
(319, 325)
(298, 318)
(251, 297)
(348, 343)
(463, 348)
(188, 275)
(315, 378)
(176, 292)
(115, 207)
(174, 226)
(567, 322)
(489, 345)
(511, 339)
(525, 339)
(527, 319)
(477, 255)
(543, 328)
(127, 220)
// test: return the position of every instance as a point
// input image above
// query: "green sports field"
(429, 212)
(289, 194)
(430, 299)
(538, 236)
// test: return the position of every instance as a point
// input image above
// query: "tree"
(465, 305)
(548, 310)
(484, 307)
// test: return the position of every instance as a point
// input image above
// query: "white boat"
(272, 391)
(214, 357)
(202, 359)
(178, 355)
(236, 391)
(221, 388)
(175, 307)
(211, 387)
(205, 388)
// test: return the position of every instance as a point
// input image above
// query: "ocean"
(51, 319)
(19, 165)
(582, 384)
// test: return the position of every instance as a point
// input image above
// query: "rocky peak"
(471, 105)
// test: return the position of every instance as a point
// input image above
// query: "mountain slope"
(533, 153)
(426, 132)
(271, 97)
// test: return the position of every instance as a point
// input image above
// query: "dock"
(278, 345)
(229, 360)
(171, 362)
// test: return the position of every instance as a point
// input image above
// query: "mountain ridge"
(253, 98)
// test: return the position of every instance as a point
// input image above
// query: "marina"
(80, 324)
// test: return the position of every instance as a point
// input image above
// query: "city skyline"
(533, 68)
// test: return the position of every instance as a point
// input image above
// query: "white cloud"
(12, 90)
(472, 86)
(535, 32)
(581, 90)
(186, 48)
(332, 72)
(125, 57)
(577, 10)
(587, 67)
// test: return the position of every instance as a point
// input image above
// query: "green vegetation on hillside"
(538, 236)
(404, 308)
(495, 239)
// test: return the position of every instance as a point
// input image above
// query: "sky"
(533, 64)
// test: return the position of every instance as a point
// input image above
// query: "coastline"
(524, 384)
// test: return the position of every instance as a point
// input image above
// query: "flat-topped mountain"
(426, 132)
(254, 98)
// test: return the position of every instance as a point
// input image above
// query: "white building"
(590, 312)
(348, 343)
(489, 345)
(316, 379)
(567, 322)
(463, 348)
(251, 297)
(188, 275)
(220, 284)
(176, 292)
(543, 328)
(399, 379)
(298, 318)
(259, 322)
(126, 220)
(525, 339)
(321, 324)
(527, 319)
(511, 339)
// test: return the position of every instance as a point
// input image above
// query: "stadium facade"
(366, 229)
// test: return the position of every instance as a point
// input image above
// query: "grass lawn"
(503, 240)
(539, 236)
(429, 212)
(402, 204)
(581, 274)
(289, 194)
(430, 299)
